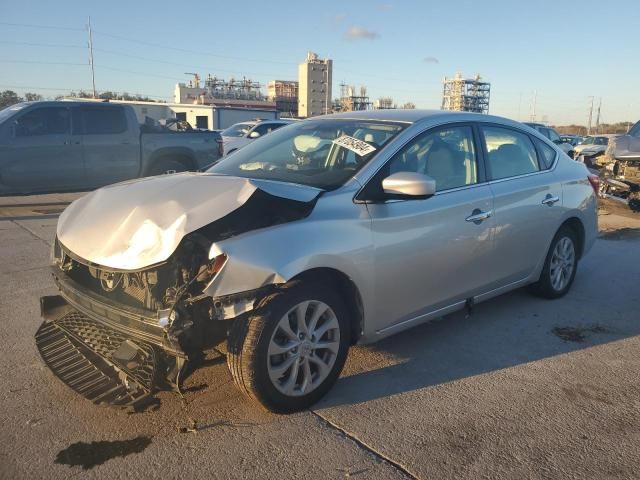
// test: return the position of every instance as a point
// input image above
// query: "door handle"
(478, 216)
(550, 200)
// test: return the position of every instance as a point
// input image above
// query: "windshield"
(11, 111)
(237, 130)
(319, 153)
(635, 130)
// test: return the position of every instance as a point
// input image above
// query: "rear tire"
(283, 364)
(167, 165)
(560, 266)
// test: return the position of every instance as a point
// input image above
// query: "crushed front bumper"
(108, 355)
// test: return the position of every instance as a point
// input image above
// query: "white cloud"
(360, 33)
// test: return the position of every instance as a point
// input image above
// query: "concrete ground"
(522, 388)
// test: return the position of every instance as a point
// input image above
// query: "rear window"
(103, 121)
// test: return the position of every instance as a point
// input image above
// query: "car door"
(431, 253)
(527, 200)
(110, 147)
(39, 153)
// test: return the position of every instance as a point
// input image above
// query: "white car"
(241, 134)
(593, 146)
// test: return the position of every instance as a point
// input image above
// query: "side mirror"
(254, 134)
(409, 185)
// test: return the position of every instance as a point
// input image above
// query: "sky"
(561, 52)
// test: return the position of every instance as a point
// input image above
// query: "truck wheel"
(292, 350)
(559, 267)
(167, 165)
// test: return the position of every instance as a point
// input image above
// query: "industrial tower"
(466, 94)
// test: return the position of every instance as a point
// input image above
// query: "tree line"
(619, 127)
(9, 97)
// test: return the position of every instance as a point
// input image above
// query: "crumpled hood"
(135, 224)
(626, 147)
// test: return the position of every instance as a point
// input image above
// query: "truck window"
(103, 120)
(43, 121)
(202, 121)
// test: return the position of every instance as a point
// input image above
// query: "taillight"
(594, 180)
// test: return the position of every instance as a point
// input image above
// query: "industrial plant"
(466, 94)
(215, 102)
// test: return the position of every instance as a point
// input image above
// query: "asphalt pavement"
(521, 388)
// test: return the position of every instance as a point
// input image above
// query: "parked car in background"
(552, 135)
(572, 140)
(592, 146)
(335, 230)
(241, 134)
(63, 145)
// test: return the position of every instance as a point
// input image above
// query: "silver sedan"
(328, 232)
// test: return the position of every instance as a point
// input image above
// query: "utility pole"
(93, 72)
(598, 116)
(535, 99)
(519, 105)
(590, 116)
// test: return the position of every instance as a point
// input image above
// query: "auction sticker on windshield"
(358, 146)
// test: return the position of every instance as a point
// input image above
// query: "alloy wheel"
(562, 263)
(303, 348)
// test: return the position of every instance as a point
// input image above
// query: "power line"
(165, 62)
(52, 45)
(185, 50)
(30, 62)
(51, 27)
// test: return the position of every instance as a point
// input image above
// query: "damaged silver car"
(328, 232)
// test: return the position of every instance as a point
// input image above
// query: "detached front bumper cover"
(101, 363)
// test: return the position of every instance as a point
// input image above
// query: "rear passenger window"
(547, 154)
(510, 153)
(104, 121)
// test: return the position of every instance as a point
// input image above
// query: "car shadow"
(514, 329)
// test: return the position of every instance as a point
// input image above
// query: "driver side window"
(447, 155)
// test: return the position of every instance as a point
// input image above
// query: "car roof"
(57, 103)
(414, 116)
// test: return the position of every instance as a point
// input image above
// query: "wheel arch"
(347, 290)
(576, 225)
(182, 155)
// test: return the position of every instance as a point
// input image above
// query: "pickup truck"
(63, 145)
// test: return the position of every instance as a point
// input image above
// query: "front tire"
(560, 266)
(290, 352)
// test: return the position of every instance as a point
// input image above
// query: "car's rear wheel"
(560, 265)
(291, 352)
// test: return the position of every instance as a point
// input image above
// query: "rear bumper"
(107, 354)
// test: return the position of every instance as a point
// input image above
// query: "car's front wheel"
(560, 265)
(292, 350)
